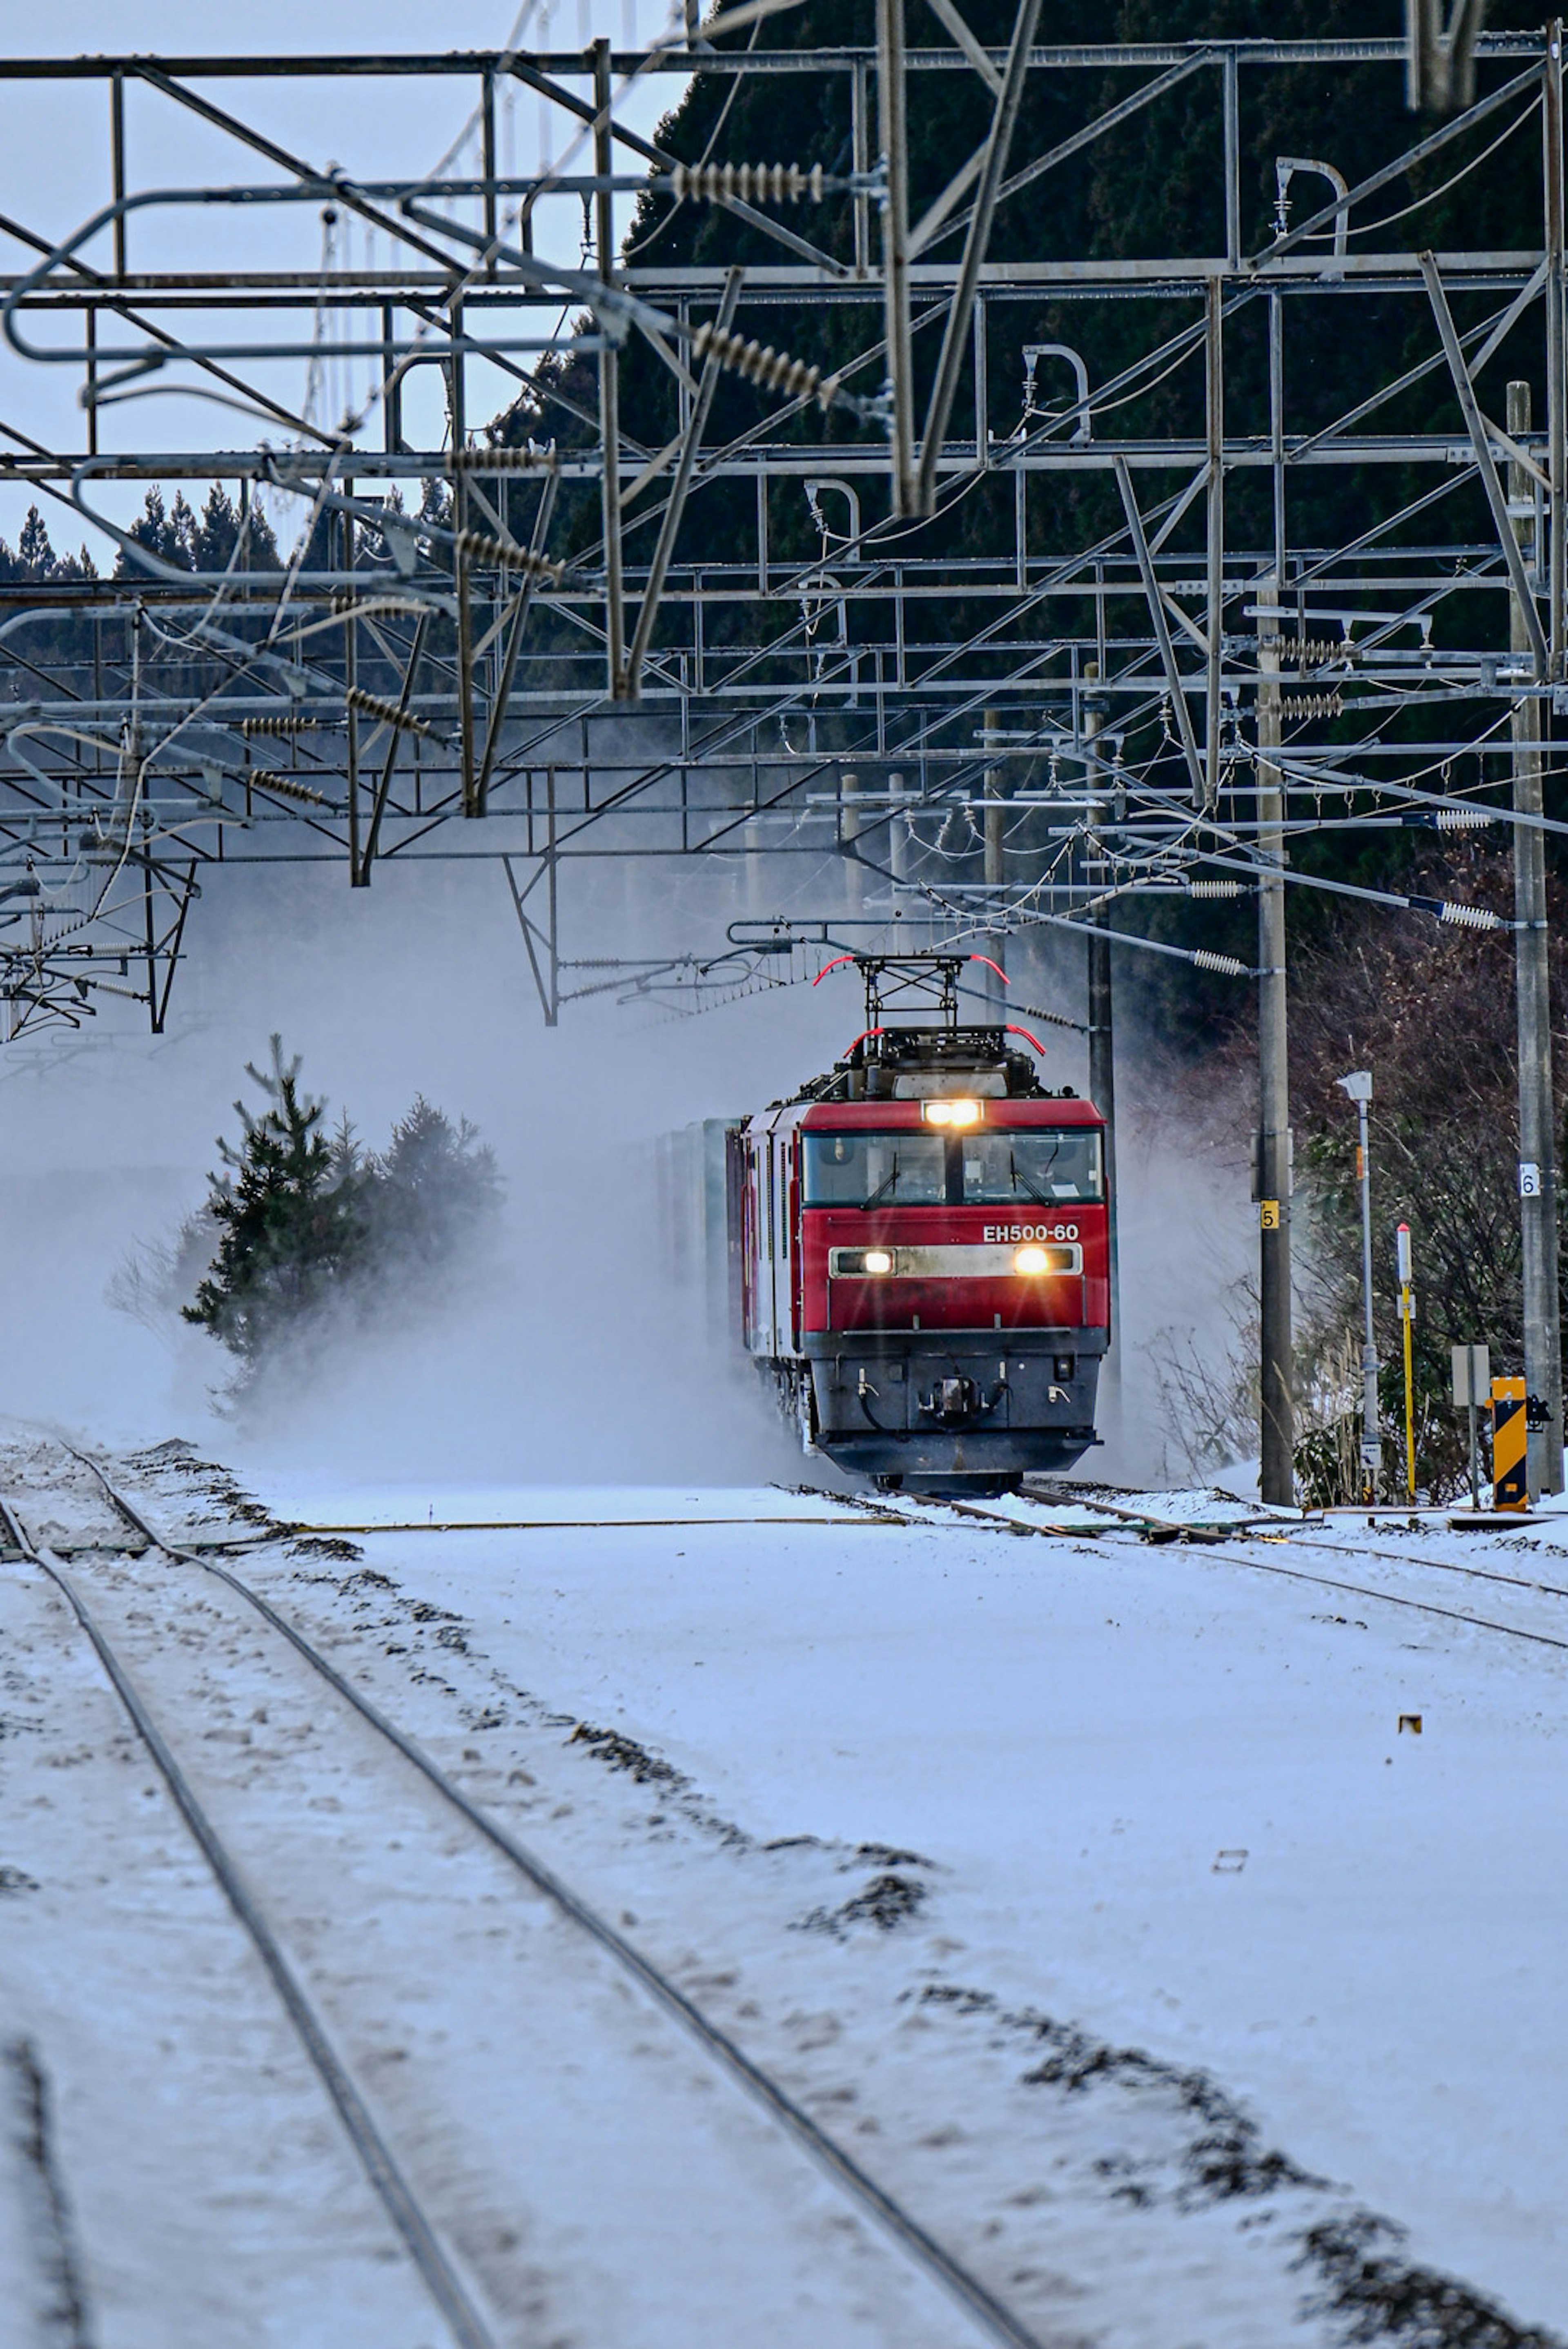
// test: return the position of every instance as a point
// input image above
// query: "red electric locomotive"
(919, 1253)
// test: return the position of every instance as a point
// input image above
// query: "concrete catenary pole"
(995, 869)
(894, 133)
(1537, 1147)
(1277, 1415)
(900, 838)
(609, 377)
(850, 836)
(1276, 1381)
(1102, 1031)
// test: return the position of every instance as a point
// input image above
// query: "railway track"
(445, 2274)
(1029, 1516)
(1033, 1515)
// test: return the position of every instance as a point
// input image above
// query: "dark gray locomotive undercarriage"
(980, 1407)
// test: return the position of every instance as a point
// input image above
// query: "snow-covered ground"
(1088, 1890)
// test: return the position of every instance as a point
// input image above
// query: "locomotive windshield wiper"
(1022, 1182)
(888, 1183)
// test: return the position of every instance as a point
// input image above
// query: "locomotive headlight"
(1030, 1258)
(877, 1260)
(951, 1112)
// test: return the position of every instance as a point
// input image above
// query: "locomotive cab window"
(1007, 1170)
(875, 1170)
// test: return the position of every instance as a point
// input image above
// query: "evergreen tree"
(218, 531)
(182, 533)
(170, 534)
(304, 1221)
(33, 551)
(436, 1189)
(264, 552)
(289, 1209)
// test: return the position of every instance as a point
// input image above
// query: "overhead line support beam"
(609, 383)
(893, 128)
(956, 334)
(675, 507)
(1181, 716)
(1496, 498)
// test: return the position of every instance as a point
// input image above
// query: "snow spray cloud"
(566, 1361)
(1171, 1402)
(1172, 1408)
(571, 1358)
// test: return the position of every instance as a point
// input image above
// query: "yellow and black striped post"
(1509, 1479)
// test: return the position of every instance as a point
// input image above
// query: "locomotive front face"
(952, 1283)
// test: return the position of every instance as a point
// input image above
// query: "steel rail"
(1442, 1565)
(1294, 1574)
(585, 1524)
(974, 2297)
(1393, 1599)
(464, 2322)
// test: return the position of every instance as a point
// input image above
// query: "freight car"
(918, 1249)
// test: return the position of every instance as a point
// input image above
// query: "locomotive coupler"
(956, 1399)
(949, 1399)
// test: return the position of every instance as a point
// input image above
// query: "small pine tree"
(263, 552)
(290, 1211)
(183, 532)
(303, 1220)
(170, 535)
(33, 548)
(436, 1190)
(218, 531)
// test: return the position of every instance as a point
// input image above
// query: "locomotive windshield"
(875, 1170)
(997, 1168)
(1002, 1169)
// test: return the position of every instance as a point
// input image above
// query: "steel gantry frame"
(535, 653)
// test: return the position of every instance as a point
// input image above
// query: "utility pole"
(996, 944)
(1441, 54)
(901, 843)
(895, 142)
(1277, 1482)
(457, 404)
(1537, 1149)
(848, 837)
(1274, 1184)
(610, 375)
(358, 870)
(1102, 1034)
